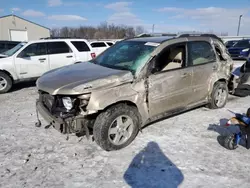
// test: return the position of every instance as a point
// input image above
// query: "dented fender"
(130, 92)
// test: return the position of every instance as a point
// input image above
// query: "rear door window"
(81, 46)
(200, 52)
(58, 48)
(98, 44)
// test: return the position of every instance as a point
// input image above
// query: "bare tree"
(103, 31)
(139, 30)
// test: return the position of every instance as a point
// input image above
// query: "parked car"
(29, 61)
(230, 43)
(6, 45)
(12, 50)
(245, 53)
(241, 77)
(100, 46)
(133, 83)
(235, 51)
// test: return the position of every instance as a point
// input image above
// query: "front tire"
(219, 96)
(5, 83)
(116, 127)
(229, 142)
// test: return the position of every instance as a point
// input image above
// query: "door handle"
(69, 56)
(42, 59)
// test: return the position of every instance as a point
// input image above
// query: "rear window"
(98, 44)
(58, 48)
(2, 45)
(81, 46)
(11, 45)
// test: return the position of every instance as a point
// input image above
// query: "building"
(15, 28)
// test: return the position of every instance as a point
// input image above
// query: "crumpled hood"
(81, 78)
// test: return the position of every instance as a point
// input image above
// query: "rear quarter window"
(110, 43)
(98, 44)
(81, 46)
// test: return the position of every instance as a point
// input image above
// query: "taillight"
(228, 123)
(93, 55)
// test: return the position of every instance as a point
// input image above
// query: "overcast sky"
(167, 15)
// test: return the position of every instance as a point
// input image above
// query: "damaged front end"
(65, 113)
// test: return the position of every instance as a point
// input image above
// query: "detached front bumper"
(64, 126)
(56, 122)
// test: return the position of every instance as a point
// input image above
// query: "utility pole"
(239, 25)
(153, 28)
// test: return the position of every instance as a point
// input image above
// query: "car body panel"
(169, 90)
(80, 78)
(152, 94)
(235, 52)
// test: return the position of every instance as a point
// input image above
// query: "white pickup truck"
(28, 61)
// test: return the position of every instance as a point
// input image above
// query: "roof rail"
(59, 38)
(200, 35)
(156, 35)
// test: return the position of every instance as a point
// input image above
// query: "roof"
(165, 38)
(57, 40)
(97, 41)
(24, 20)
(9, 41)
(151, 39)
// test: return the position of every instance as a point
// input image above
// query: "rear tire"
(116, 127)
(229, 142)
(5, 83)
(219, 96)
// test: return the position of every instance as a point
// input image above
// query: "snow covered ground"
(182, 151)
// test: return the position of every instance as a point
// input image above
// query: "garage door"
(18, 35)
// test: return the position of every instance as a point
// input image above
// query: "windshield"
(242, 44)
(14, 50)
(126, 55)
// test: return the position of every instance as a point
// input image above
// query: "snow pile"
(182, 151)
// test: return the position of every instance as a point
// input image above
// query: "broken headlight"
(67, 102)
(84, 99)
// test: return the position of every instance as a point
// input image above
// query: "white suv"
(31, 60)
(100, 46)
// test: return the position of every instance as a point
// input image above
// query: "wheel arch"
(126, 102)
(8, 73)
(215, 80)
